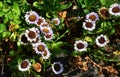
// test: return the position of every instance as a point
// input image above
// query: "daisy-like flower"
(115, 9)
(44, 24)
(37, 67)
(32, 34)
(46, 54)
(89, 25)
(57, 67)
(92, 16)
(24, 65)
(80, 45)
(56, 21)
(40, 20)
(104, 13)
(31, 17)
(48, 36)
(40, 47)
(23, 39)
(101, 40)
(46, 30)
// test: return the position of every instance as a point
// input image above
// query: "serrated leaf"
(2, 27)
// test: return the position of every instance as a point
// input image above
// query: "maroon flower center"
(57, 67)
(55, 21)
(24, 39)
(92, 17)
(24, 64)
(89, 24)
(116, 10)
(48, 36)
(104, 12)
(101, 40)
(32, 18)
(31, 34)
(80, 45)
(41, 48)
(45, 30)
(45, 53)
(39, 21)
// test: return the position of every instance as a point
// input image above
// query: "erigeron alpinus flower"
(40, 20)
(92, 16)
(89, 25)
(45, 54)
(46, 30)
(101, 40)
(40, 47)
(57, 67)
(32, 34)
(31, 17)
(44, 24)
(37, 67)
(115, 9)
(24, 65)
(56, 21)
(48, 36)
(23, 39)
(80, 45)
(104, 13)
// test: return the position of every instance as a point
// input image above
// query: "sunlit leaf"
(2, 27)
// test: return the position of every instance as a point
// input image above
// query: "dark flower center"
(44, 25)
(80, 45)
(41, 48)
(24, 64)
(45, 53)
(32, 17)
(104, 12)
(31, 34)
(39, 21)
(101, 40)
(92, 17)
(116, 10)
(47, 36)
(24, 39)
(55, 21)
(89, 24)
(45, 30)
(57, 67)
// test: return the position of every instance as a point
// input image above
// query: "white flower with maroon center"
(92, 16)
(89, 25)
(32, 34)
(115, 9)
(80, 45)
(46, 30)
(57, 67)
(31, 17)
(40, 47)
(24, 65)
(46, 54)
(101, 40)
(23, 39)
(56, 21)
(48, 36)
(40, 20)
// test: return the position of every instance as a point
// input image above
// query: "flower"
(115, 9)
(46, 30)
(23, 39)
(92, 16)
(48, 36)
(40, 20)
(103, 12)
(89, 25)
(80, 45)
(25, 65)
(44, 24)
(40, 47)
(32, 34)
(37, 67)
(31, 17)
(46, 54)
(57, 67)
(56, 21)
(101, 40)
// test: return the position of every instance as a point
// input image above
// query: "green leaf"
(65, 6)
(6, 34)
(1, 4)
(1, 14)
(2, 27)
